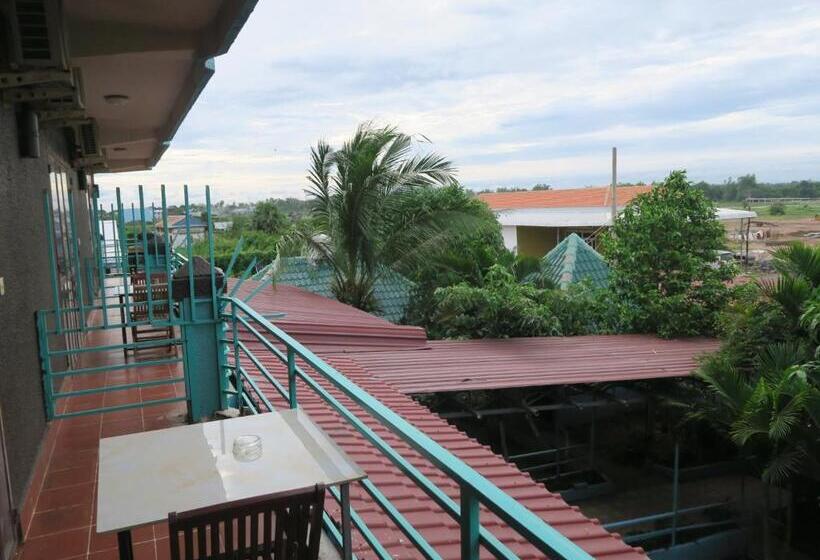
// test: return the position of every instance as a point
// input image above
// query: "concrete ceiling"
(159, 54)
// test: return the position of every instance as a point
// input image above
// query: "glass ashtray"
(247, 448)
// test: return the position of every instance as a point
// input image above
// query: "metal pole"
(292, 378)
(675, 484)
(614, 201)
(145, 258)
(166, 240)
(192, 295)
(347, 540)
(124, 257)
(469, 521)
(52, 261)
(211, 250)
(77, 265)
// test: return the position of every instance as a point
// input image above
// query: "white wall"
(510, 235)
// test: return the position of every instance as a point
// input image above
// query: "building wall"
(508, 233)
(536, 241)
(24, 266)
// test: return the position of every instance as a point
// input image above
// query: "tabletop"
(144, 476)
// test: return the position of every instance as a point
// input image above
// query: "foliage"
(355, 193)
(747, 186)
(503, 307)
(256, 245)
(768, 416)
(662, 252)
(763, 386)
(268, 218)
(472, 247)
(777, 209)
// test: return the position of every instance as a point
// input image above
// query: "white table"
(144, 476)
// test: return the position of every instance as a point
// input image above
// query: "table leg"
(124, 543)
(347, 543)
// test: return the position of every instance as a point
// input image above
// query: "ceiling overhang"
(155, 57)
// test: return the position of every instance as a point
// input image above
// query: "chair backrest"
(283, 526)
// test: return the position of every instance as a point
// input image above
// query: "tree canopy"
(662, 250)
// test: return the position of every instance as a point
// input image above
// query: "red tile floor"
(59, 513)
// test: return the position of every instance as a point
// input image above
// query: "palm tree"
(771, 418)
(771, 410)
(355, 193)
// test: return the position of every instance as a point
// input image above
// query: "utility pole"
(614, 188)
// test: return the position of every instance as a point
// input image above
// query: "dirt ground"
(769, 233)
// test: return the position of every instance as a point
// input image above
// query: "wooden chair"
(159, 311)
(283, 526)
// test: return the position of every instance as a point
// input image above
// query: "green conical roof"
(392, 290)
(573, 260)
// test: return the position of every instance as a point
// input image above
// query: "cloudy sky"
(513, 92)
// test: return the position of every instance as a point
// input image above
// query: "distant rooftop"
(562, 198)
(573, 260)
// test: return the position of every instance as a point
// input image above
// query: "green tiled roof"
(573, 260)
(392, 290)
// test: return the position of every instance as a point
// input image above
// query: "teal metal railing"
(105, 285)
(300, 364)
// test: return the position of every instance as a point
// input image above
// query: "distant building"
(573, 261)
(178, 227)
(533, 222)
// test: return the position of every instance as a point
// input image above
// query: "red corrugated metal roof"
(561, 198)
(441, 531)
(326, 325)
(463, 365)
(313, 320)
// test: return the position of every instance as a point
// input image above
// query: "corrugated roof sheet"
(326, 325)
(572, 261)
(464, 365)
(391, 361)
(440, 530)
(392, 290)
(562, 198)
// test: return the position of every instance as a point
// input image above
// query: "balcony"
(431, 491)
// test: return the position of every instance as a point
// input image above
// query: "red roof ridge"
(576, 197)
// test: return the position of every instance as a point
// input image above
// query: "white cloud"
(511, 92)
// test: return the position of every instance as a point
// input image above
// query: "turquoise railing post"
(236, 363)
(211, 258)
(203, 350)
(52, 261)
(190, 247)
(77, 264)
(292, 378)
(145, 257)
(470, 525)
(124, 257)
(167, 242)
(45, 362)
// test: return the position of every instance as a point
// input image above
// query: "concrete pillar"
(203, 353)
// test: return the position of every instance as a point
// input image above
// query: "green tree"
(662, 252)
(354, 194)
(763, 385)
(268, 218)
(504, 307)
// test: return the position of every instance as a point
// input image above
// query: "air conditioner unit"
(36, 33)
(35, 43)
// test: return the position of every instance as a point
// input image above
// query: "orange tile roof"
(561, 198)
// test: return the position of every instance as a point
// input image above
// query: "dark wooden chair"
(159, 311)
(283, 526)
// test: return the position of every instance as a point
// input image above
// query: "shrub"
(777, 209)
